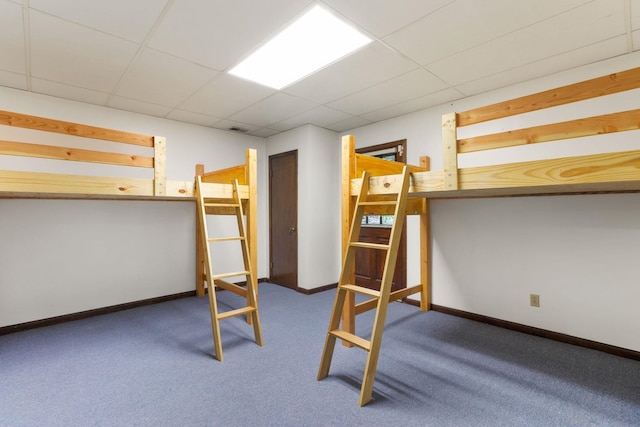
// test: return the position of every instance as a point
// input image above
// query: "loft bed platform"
(116, 148)
(40, 184)
(607, 171)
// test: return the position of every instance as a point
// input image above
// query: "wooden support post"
(159, 166)
(348, 206)
(251, 179)
(200, 273)
(425, 255)
(450, 151)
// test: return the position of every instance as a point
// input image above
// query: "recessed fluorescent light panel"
(315, 40)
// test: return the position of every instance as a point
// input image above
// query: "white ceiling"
(169, 58)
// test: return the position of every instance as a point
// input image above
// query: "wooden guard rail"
(39, 184)
(606, 172)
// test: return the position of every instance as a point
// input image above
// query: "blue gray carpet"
(153, 366)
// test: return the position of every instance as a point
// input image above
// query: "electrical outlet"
(534, 300)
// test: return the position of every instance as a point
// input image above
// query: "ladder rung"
(369, 245)
(221, 205)
(236, 312)
(353, 339)
(361, 290)
(225, 275)
(379, 203)
(224, 239)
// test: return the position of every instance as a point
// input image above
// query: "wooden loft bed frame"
(21, 184)
(607, 172)
(28, 184)
(216, 187)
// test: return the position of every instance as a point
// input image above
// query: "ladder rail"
(214, 280)
(385, 289)
(379, 298)
(252, 282)
(213, 304)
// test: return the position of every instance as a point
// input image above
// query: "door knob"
(292, 229)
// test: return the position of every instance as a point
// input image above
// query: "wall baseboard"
(4, 330)
(91, 313)
(556, 336)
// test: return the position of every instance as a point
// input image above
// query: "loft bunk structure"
(607, 171)
(127, 153)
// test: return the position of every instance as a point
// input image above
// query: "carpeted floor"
(153, 366)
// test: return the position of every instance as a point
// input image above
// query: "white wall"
(579, 253)
(318, 202)
(64, 256)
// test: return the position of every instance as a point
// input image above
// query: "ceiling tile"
(321, 116)
(351, 123)
(152, 70)
(264, 132)
(138, 106)
(230, 124)
(366, 14)
(273, 109)
(189, 117)
(353, 74)
(586, 55)
(168, 58)
(221, 32)
(68, 92)
(225, 95)
(402, 88)
(131, 20)
(565, 32)
(12, 57)
(416, 104)
(76, 55)
(457, 27)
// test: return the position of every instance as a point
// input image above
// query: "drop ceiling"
(169, 58)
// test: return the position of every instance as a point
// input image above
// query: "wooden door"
(283, 219)
(370, 262)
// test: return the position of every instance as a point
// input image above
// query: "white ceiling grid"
(169, 58)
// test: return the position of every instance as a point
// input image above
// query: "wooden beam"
(23, 149)
(595, 168)
(600, 86)
(225, 176)
(425, 246)
(348, 207)
(597, 125)
(450, 151)
(183, 189)
(222, 191)
(200, 268)
(37, 182)
(251, 210)
(422, 182)
(159, 166)
(231, 287)
(75, 129)
(397, 295)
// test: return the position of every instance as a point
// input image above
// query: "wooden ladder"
(227, 207)
(372, 346)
